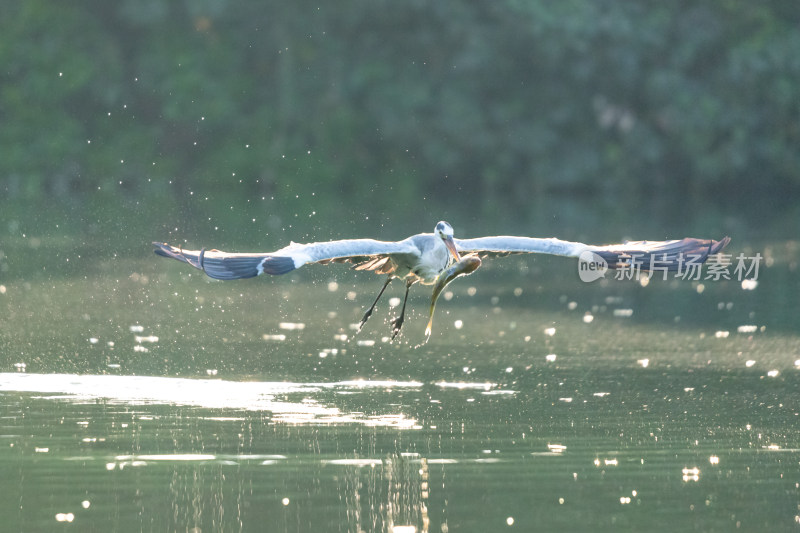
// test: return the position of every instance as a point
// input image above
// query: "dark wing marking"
(225, 266)
(663, 255)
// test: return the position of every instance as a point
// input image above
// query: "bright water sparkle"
(180, 405)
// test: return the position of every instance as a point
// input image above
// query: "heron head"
(444, 231)
(443, 228)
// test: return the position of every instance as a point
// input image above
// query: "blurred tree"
(495, 103)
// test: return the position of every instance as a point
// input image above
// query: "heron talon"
(397, 324)
(364, 320)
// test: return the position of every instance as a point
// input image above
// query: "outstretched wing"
(666, 254)
(372, 254)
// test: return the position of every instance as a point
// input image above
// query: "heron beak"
(451, 247)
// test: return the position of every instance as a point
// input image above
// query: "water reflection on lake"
(160, 401)
(564, 449)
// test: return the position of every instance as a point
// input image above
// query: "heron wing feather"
(666, 254)
(228, 266)
(505, 245)
(349, 250)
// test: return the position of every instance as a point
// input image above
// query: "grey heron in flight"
(423, 257)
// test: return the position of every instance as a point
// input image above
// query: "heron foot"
(397, 324)
(365, 318)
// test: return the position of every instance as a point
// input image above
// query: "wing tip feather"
(669, 257)
(222, 266)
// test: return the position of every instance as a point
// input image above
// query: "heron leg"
(397, 322)
(389, 279)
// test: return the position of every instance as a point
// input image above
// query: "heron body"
(422, 258)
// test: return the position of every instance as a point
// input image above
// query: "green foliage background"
(389, 104)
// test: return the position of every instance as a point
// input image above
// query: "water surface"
(160, 401)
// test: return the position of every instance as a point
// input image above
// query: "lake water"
(143, 397)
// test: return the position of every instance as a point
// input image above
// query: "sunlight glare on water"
(254, 396)
(214, 407)
(292, 326)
